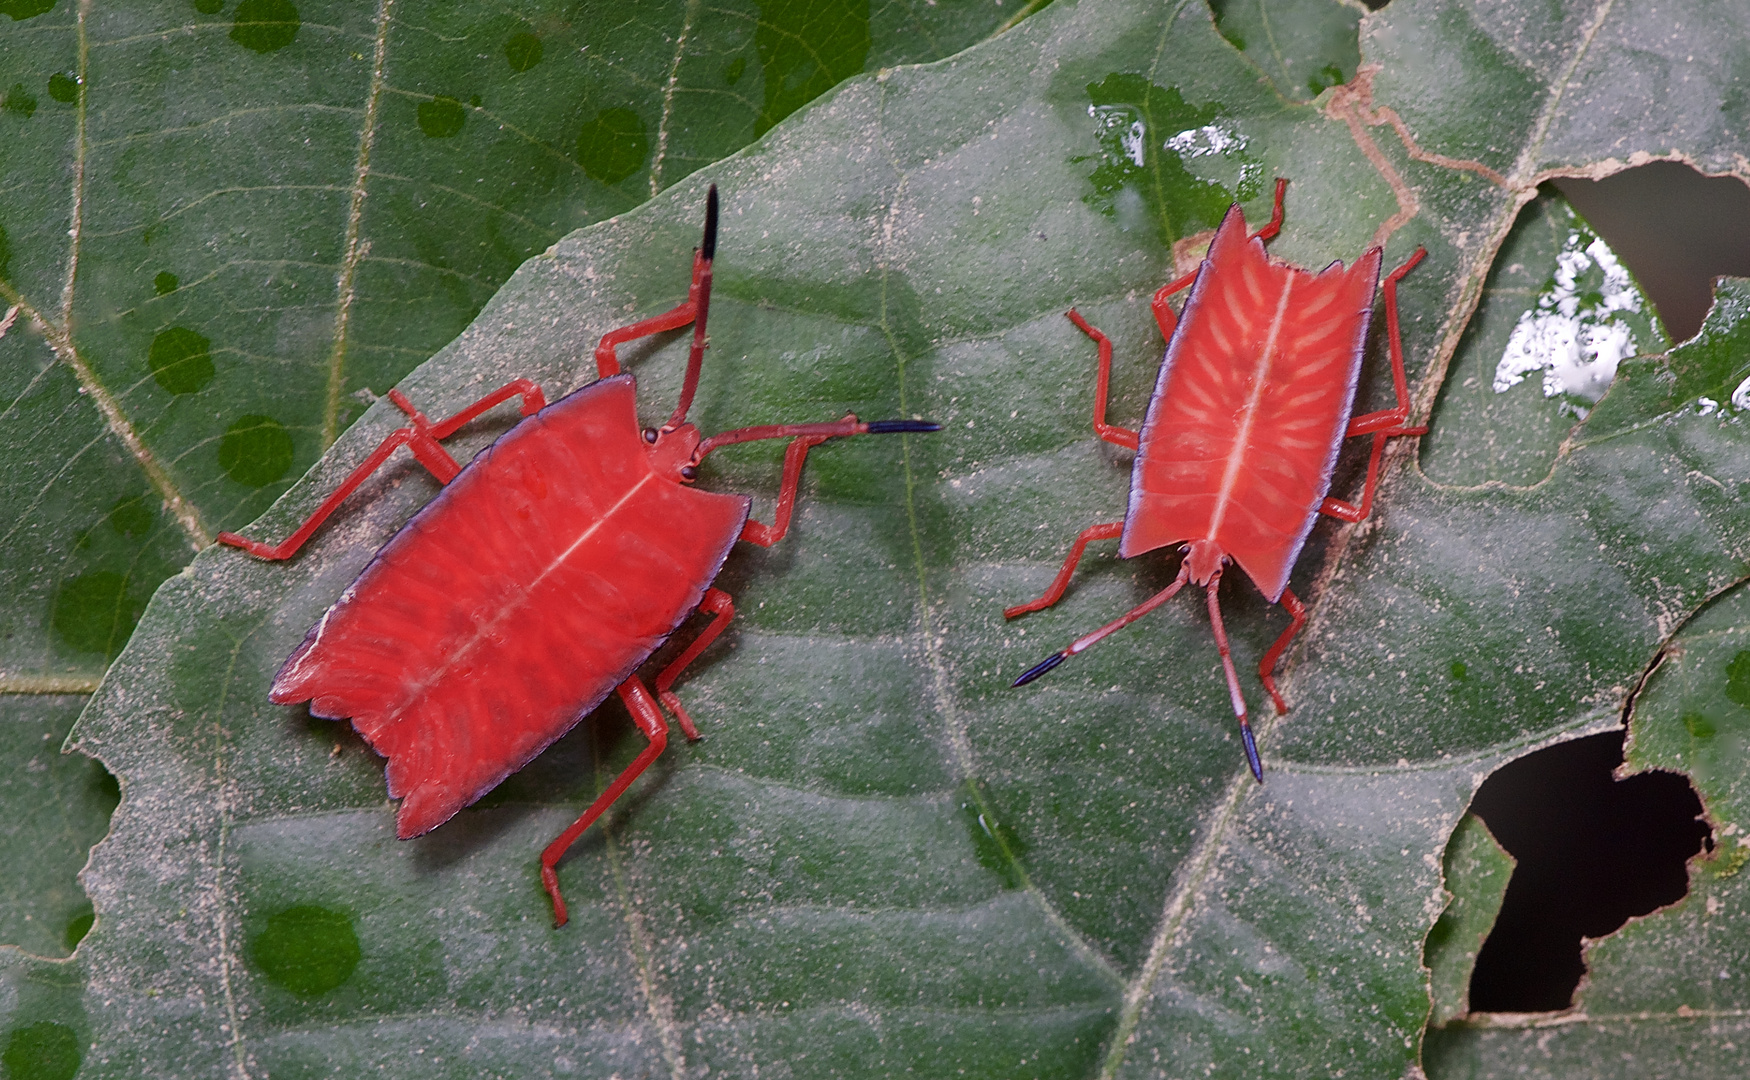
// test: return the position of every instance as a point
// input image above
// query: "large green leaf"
(883, 859)
(226, 225)
(1664, 994)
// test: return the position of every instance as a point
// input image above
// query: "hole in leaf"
(1593, 852)
(1675, 229)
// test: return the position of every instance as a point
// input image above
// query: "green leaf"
(1304, 47)
(1476, 870)
(226, 227)
(1667, 985)
(882, 858)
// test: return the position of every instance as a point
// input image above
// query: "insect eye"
(689, 472)
(650, 435)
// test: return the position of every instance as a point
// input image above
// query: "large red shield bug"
(537, 581)
(1235, 456)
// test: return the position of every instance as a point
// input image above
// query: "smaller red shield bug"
(537, 581)
(1235, 456)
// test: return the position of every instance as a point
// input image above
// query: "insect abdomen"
(513, 603)
(1250, 406)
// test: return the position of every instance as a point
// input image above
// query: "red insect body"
(1234, 460)
(460, 678)
(534, 585)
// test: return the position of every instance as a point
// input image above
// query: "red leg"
(1102, 383)
(1386, 423)
(718, 603)
(1343, 511)
(1087, 641)
(766, 535)
(1165, 317)
(1267, 666)
(1275, 226)
(422, 438)
(803, 437)
(1108, 531)
(693, 309)
(649, 720)
(1233, 680)
(1390, 421)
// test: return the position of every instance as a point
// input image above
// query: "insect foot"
(455, 653)
(1234, 458)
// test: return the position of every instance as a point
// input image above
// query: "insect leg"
(533, 402)
(1111, 530)
(1102, 383)
(764, 535)
(649, 720)
(1386, 423)
(1086, 641)
(286, 548)
(1343, 511)
(1267, 666)
(1233, 681)
(804, 437)
(1165, 318)
(607, 361)
(1275, 225)
(1391, 420)
(717, 603)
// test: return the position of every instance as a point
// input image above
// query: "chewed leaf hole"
(1675, 229)
(1592, 852)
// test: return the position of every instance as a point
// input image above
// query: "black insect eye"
(650, 435)
(690, 472)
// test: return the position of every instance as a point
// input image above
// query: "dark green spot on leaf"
(132, 517)
(309, 950)
(265, 26)
(806, 47)
(18, 101)
(78, 926)
(44, 1050)
(1738, 678)
(165, 282)
(1330, 75)
(5, 253)
(734, 70)
(209, 7)
(64, 88)
(180, 360)
(26, 9)
(1699, 726)
(256, 450)
(613, 146)
(442, 117)
(95, 612)
(523, 51)
(1459, 671)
